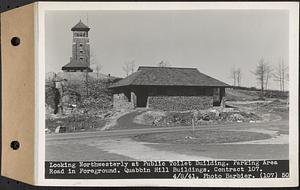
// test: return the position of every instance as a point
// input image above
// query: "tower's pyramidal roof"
(80, 26)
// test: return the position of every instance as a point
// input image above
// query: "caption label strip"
(209, 169)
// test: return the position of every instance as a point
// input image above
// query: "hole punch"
(15, 41)
(15, 145)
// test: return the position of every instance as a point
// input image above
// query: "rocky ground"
(86, 107)
(96, 112)
(242, 105)
(259, 126)
(78, 121)
(235, 111)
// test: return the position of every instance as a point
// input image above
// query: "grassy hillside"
(240, 95)
(248, 94)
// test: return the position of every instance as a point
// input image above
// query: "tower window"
(80, 45)
(81, 51)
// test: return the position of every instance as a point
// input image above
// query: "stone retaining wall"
(121, 101)
(180, 103)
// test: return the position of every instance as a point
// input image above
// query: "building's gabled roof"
(169, 76)
(75, 64)
(80, 27)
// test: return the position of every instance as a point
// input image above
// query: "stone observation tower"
(80, 60)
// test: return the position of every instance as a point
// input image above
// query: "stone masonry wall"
(120, 101)
(133, 99)
(180, 103)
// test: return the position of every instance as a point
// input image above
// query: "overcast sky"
(213, 41)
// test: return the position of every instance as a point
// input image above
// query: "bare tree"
(132, 67)
(98, 69)
(87, 82)
(261, 72)
(236, 75)
(91, 60)
(268, 76)
(233, 75)
(126, 69)
(239, 76)
(163, 64)
(129, 67)
(281, 74)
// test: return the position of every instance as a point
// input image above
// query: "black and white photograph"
(167, 85)
(159, 85)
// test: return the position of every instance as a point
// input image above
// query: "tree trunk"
(87, 84)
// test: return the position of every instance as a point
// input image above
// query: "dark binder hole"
(15, 41)
(15, 145)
